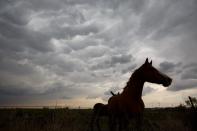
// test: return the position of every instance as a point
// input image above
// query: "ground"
(155, 119)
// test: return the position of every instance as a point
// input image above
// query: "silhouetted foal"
(99, 110)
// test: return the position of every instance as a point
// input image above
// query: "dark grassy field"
(171, 119)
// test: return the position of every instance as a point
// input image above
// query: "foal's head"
(150, 74)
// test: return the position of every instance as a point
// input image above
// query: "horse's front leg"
(120, 122)
(139, 121)
(124, 122)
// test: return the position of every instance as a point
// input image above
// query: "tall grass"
(172, 119)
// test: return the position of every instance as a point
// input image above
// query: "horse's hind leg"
(98, 124)
(92, 121)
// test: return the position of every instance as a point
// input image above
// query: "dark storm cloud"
(11, 66)
(183, 85)
(17, 93)
(76, 25)
(12, 12)
(60, 90)
(59, 64)
(129, 69)
(169, 66)
(121, 59)
(190, 65)
(190, 73)
(169, 18)
(186, 78)
(28, 50)
(136, 6)
(85, 44)
(18, 38)
(65, 48)
(72, 31)
(15, 35)
(113, 61)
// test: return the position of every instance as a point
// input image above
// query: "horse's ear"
(146, 62)
(150, 62)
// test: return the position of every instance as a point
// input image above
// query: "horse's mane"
(129, 82)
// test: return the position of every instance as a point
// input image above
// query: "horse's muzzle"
(167, 82)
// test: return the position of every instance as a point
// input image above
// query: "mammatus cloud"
(83, 48)
(185, 77)
(190, 71)
(168, 66)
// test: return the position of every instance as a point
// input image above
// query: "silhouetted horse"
(129, 103)
(99, 110)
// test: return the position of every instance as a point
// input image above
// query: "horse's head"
(150, 74)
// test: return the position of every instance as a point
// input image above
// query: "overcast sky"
(74, 52)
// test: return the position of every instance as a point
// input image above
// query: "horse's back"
(98, 105)
(120, 104)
